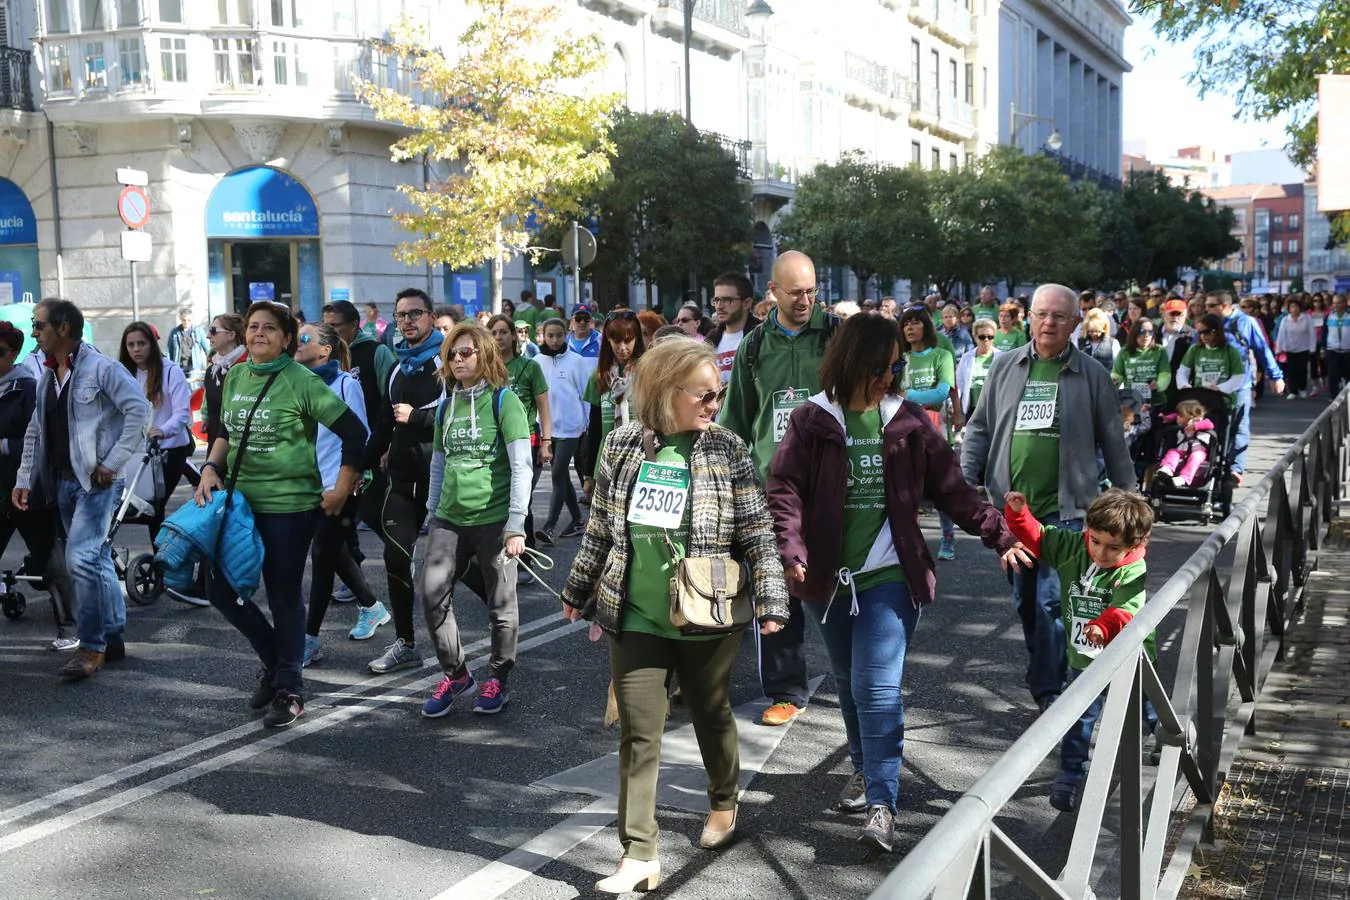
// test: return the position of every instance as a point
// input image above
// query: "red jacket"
(807, 489)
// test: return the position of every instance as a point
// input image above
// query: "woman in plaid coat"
(704, 501)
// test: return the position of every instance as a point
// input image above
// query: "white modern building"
(268, 178)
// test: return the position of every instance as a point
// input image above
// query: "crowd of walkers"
(745, 469)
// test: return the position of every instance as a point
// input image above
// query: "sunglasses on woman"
(984, 337)
(893, 370)
(462, 352)
(708, 396)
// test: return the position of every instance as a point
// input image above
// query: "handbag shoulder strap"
(243, 439)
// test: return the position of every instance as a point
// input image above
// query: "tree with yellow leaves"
(512, 113)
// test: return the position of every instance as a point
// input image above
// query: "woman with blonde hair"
(481, 475)
(711, 504)
(1097, 341)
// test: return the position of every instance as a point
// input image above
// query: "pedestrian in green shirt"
(481, 476)
(930, 375)
(280, 405)
(608, 390)
(1212, 363)
(1143, 366)
(672, 483)
(1102, 577)
(1011, 333)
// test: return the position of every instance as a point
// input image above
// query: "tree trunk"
(497, 273)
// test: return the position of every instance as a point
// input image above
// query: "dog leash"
(542, 560)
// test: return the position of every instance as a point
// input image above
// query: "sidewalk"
(1282, 824)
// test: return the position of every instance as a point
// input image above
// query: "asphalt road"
(153, 780)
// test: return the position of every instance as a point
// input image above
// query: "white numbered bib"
(1084, 609)
(1036, 412)
(1209, 379)
(1142, 387)
(660, 495)
(784, 402)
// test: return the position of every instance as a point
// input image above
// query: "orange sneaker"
(781, 713)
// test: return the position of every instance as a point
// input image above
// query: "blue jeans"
(1073, 750)
(1042, 626)
(948, 526)
(100, 609)
(867, 655)
(280, 644)
(1243, 438)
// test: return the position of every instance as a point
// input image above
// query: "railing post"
(1132, 794)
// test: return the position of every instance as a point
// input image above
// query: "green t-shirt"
(528, 382)
(925, 371)
(1085, 591)
(1137, 370)
(651, 566)
(526, 315)
(1213, 366)
(979, 371)
(985, 312)
(279, 473)
(1035, 441)
(1009, 340)
(945, 343)
(477, 485)
(865, 502)
(605, 401)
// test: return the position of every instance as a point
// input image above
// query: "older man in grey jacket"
(1045, 414)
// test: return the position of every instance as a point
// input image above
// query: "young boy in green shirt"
(1102, 576)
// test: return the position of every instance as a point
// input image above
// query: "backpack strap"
(497, 416)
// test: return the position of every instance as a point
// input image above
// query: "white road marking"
(272, 741)
(683, 785)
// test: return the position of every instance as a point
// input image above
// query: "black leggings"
(563, 491)
(331, 555)
(1296, 371)
(401, 516)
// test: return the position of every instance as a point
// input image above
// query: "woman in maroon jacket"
(844, 488)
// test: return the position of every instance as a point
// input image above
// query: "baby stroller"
(144, 498)
(1210, 496)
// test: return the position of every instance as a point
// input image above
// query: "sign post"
(133, 206)
(578, 251)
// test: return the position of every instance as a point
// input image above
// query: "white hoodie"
(567, 374)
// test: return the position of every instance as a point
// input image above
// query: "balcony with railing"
(923, 106)
(953, 21)
(16, 91)
(719, 26)
(737, 150)
(923, 12)
(956, 118)
(1077, 170)
(628, 11)
(871, 85)
(180, 72)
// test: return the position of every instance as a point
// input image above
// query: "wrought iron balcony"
(16, 90)
(725, 14)
(1077, 170)
(739, 150)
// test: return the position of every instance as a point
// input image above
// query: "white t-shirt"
(726, 352)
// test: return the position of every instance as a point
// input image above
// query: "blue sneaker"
(367, 620)
(947, 549)
(312, 652)
(492, 698)
(443, 697)
(343, 594)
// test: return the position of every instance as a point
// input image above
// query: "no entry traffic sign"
(133, 206)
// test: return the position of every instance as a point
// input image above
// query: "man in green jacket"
(775, 371)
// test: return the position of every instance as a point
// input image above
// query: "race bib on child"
(1143, 389)
(1084, 609)
(1036, 412)
(660, 495)
(784, 402)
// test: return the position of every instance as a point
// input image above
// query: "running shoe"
(64, 644)
(544, 536)
(947, 549)
(397, 655)
(523, 577)
(343, 595)
(443, 697)
(312, 652)
(576, 529)
(285, 709)
(1067, 791)
(853, 798)
(492, 697)
(367, 620)
(264, 692)
(879, 832)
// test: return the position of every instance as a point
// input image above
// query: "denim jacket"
(108, 417)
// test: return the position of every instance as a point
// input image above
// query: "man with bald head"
(777, 370)
(1044, 415)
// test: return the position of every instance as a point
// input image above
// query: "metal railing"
(16, 90)
(725, 14)
(1236, 622)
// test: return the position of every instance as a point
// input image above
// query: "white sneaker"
(343, 595)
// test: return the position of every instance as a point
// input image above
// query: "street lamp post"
(1054, 142)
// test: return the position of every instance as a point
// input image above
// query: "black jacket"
(18, 400)
(714, 337)
(408, 444)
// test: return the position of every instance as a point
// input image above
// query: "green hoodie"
(786, 373)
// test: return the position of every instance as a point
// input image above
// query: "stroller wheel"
(13, 603)
(143, 581)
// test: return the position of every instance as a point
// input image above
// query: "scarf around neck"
(410, 359)
(221, 362)
(268, 368)
(328, 371)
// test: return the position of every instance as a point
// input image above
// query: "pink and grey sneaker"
(492, 697)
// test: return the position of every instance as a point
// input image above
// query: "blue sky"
(1163, 109)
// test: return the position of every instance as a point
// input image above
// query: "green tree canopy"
(1177, 229)
(506, 112)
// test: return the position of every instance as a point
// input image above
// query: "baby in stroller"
(1186, 448)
